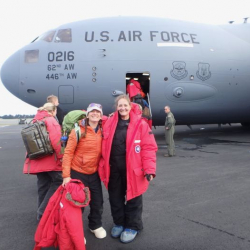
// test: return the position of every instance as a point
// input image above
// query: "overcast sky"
(23, 20)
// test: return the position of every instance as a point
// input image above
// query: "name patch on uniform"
(137, 141)
(137, 149)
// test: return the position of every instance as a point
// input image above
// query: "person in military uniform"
(169, 132)
(60, 113)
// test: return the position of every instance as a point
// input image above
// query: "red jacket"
(134, 88)
(141, 152)
(50, 162)
(61, 224)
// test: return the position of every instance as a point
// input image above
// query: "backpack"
(139, 100)
(70, 122)
(36, 140)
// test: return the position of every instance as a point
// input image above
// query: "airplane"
(201, 71)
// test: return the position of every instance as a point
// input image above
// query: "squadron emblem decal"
(203, 71)
(179, 70)
(137, 149)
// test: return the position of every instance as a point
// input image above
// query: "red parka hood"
(136, 109)
(137, 84)
(77, 194)
(41, 114)
(134, 114)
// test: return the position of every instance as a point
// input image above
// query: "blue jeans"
(47, 184)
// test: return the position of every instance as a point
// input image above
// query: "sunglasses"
(91, 105)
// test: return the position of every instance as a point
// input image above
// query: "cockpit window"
(31, 56)
(48, 36)
(63, 36)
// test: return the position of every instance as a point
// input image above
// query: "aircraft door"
(149, 104)
(137, 87)
(66, 94)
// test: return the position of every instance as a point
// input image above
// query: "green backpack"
(70, 121)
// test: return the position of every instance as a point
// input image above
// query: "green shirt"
(170, 121)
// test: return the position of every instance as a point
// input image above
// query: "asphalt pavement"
(199, 199)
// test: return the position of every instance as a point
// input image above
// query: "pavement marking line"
(214, 228)
(208, 152)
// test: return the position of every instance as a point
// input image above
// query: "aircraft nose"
(10, 73)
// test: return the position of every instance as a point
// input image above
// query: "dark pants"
(47, 184)
(125, 213)
(93, 182)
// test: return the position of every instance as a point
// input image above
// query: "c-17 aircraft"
(201, 71)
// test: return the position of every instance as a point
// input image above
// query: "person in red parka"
(49, 168)
(127, 166)
(134, 88)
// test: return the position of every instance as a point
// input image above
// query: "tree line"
(18, 116)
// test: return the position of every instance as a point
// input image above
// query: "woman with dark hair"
(80, 161)
(127, 166)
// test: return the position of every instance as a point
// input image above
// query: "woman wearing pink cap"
(80, 161)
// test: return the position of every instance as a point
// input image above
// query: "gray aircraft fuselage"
(201, 71)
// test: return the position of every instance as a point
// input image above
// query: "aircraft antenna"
(231, 22)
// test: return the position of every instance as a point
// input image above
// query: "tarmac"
(199, 199)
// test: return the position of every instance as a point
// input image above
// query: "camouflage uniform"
(169, 133)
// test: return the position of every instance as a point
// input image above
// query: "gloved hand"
(148, 177)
